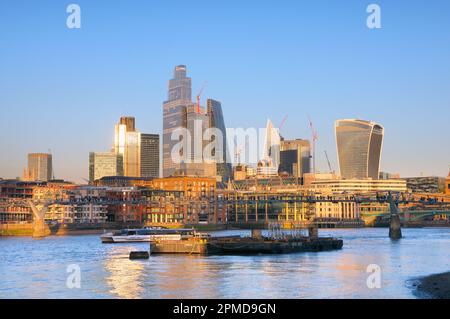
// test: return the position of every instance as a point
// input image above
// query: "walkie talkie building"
(359, 145)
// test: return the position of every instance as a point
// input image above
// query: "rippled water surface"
(38, 268)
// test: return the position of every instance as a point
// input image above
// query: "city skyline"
(240, 155)
(382, 76)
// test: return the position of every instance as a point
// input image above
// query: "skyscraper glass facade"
(216, 120)
(128, 144)
(359, 145)
(175, 115)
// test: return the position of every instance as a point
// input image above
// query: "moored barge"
(201, 244)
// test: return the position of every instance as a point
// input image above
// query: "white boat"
(145, 235)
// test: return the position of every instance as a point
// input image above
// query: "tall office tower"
(270, 162)
(195, 164)
(40, 167)
(149, 155)
(295, 157)
(127, 142)
(359, 145)
(216, 120)
(104, 164)
(129, 122)
(175, 115)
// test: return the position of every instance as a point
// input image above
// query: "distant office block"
(295, 157)
(104, 164)
(40, 167)
(127, 142)
(149, 155)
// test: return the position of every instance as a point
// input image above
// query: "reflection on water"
(125, 275)
(37, 269)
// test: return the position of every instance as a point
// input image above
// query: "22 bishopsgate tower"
(179, 112)
(174, 114)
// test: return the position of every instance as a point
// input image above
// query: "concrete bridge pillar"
(40, 227)
(395, 229)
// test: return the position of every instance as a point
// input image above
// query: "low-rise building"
(428, 184)
(76, 214)
(199, 195)
(164, 207)
(125, 205)
(18, 189)
(358, 186)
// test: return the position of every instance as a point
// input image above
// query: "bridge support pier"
(40, 227)
(395, 229)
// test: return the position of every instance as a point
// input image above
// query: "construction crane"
(199, 96)
(283, 121)
(328, 161)
(282, 124)
(314, 139)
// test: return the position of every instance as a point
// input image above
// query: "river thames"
(38, 268)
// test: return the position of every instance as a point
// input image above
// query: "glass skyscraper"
(127, 142)
(216, 120)
(359, 145)
(175, 115)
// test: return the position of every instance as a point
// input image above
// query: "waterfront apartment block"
(429, 184)
(55, 191)
(104, 164)
(18, 189)
(76, 214)
(40, 167)
(359, 145)
(15, 213)
(126, 205)
(199, 196)
(164, 207)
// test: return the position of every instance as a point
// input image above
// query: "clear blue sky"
(64, 89)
